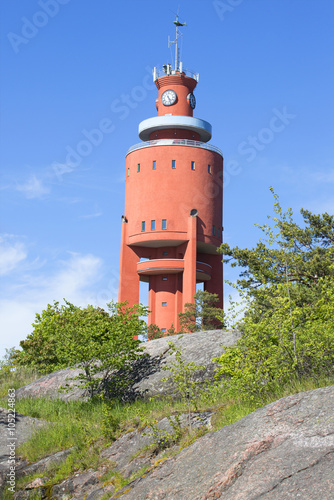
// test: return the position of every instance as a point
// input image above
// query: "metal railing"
(175, 142)
(167, 71)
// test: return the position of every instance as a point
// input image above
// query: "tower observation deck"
(172, 223)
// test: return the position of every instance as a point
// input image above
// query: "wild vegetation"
(288, 288)
(200, 315)
(287, 346)
(98, 341)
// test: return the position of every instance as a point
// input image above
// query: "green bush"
(154, 332)
(288, 326)
(99, 342)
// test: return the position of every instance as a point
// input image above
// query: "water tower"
(172, 222)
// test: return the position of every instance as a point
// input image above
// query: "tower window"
(219, 232)
(173, 163)
(152, 225)
(154, 166)
(213, 230)
(164, 224)
(192, 165)
(128, 172)
(164, 304)
(143, 225)
(138, 167)
(164, 278)
(164, 330)
(165, 252)
(220, 174)
(209, 169)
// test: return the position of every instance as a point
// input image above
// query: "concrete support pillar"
(152, 300)
(128, 276)
(189, 274)
(178, 302)
(215, 284)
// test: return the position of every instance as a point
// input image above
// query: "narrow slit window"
(209, 169)
(220, 174)
(154, 166)
(192, 165)
(143, 225)
(164, 304)
(138, 167)
(164, 224)
(128, 172)
(219, 232)
(213, 230)
(173, 163)
(152, 225)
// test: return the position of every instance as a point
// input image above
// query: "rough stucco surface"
(199, 347)
(283, 450)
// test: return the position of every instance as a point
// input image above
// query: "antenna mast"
(177, 23)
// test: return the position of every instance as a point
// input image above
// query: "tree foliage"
(184, 378)
(300, 255)
(273, 351)
(7, 363)
(154, 332)
(288, 285)
(100, 342)
(201, 314)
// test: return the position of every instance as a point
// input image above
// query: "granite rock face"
(283, 450)
(20, 432)
(147, 375)
(12, 436)
(127, 455)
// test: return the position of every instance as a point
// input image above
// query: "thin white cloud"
(91, 216)
(76, 274)
(324, 177)
(11, 254)
(321, 206)
(33, 188)
(74, 279)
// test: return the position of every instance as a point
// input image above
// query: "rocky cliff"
(148, 372)
(283, 450)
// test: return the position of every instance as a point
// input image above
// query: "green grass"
(17, 378)
(79, 424)
(233, 409)
(71, 423)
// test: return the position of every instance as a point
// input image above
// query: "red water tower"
(172, 223)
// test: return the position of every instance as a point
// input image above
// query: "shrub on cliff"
(288, 287)
(96, 340)
(201, 314)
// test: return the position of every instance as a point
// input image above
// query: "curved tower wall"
(172, 223)
(166, 193)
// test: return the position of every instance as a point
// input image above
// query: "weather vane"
(178, 35)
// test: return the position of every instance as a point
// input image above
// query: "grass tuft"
(83, 425)
(13, 379)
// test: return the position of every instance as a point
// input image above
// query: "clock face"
(168, 97)
(192, 100)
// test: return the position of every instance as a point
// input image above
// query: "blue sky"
(75, 71)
